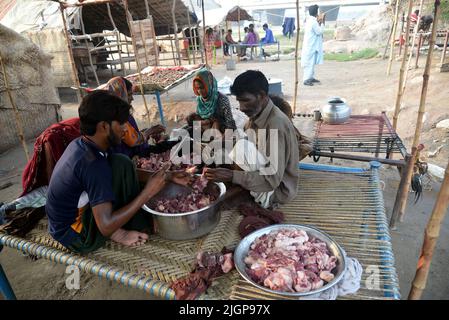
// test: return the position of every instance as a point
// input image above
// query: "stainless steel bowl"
(188, 225)
(244, 246)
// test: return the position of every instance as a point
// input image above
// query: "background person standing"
(312, 48)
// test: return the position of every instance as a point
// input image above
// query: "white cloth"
(312, 43)
(348, 284)
(247, 157)
(240, 118)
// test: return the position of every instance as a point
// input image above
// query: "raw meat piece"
(288, 260)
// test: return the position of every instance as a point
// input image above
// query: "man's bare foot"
(129, 238)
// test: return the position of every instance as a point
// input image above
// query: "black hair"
(265, 25)
(251, 25)
(100, 105)
(313, 10)
(246, 29)
(129, 85)
(230, 30)
(251, 81)
(416, 11)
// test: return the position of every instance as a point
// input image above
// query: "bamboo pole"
(190, 39)
(415, 33)
(171, 46)
(76, 80)
(296, 57)
(400, 94)
(117, 38)
(18, 118)
(204, 35)
(144, 43)
(399, 211)
(147, 8)
(393, 36)
(431, 236)
(418, 49)
(238, 18)
(175, 30)
(402, 31)
(87, 47)
(139, 70)
(388, 42)
(443, 54)
(155, 46)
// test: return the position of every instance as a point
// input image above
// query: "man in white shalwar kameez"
(312, 48)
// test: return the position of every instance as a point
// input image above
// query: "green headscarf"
(206, 107)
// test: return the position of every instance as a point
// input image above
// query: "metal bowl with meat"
(181, 213)
(290, 259)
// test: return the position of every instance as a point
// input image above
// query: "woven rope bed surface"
(349, 207)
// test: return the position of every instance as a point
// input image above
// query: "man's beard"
(113, 139)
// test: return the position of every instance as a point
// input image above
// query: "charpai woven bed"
(348, 206)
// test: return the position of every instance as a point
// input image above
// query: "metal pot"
(188, 225)
(336, 111)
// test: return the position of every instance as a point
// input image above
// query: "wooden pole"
(175, 30)
(171, 46)
(415, 32)
(388, 42)
(190, 39)
(296, 57)
(401, 73)
(147, 8)
(399, 211)
(139, 70)
(19, 121)
(443, 54)
(431, 236)
(204, 34)
(144, 43)
(117, 38)
(76, 80)
(87, 47)
(418, 49)
(393, 36)
(400, 34)
(238, 18)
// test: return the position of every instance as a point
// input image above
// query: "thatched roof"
(25, 15)
(238, 14)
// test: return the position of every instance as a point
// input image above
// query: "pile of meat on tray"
(288, 260)
(162, 76)
(193, 201)
(157, 160)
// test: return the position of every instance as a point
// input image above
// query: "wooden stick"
(395, 25)
(402, 194)
(388, 42)
(418, 50)
(422, 103)
(419, 123)
(204, 35)
(147, 7)
(139, 70)
(401, 33)
(144, 43)
(19, 121)
(431, 236)
(117, 38)
(87, 47)
(401, 73)
(155, 46)
(443, 54)
(92, 35)
(415, 32)
(76, 80)
(175, 30)
(190, 39)
(296, 57)
(172, 48)
(238, 18)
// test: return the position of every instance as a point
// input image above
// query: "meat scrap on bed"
(208, 267)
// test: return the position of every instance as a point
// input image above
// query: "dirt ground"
(367, 90)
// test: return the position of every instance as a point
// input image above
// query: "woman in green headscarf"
(211, 104)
